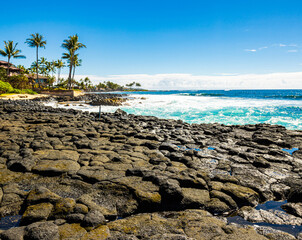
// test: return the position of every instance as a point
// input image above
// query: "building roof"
(34, 76)
(4, 64)
(12, 68)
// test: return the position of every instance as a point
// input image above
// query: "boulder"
(71, 231)
(169, 147)
(35, 213)
(57, 167)
(41, 194)
(242, 195)
(22, 164)
(293, 208)
(63, 207)
(170, 191)
(216, 206)
(195, 198)
(41, 230)
(93, 218)
(57, 155)
(100, 233)
(295, 194)
(16, 233)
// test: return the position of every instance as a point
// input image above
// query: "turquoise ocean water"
(283, 107)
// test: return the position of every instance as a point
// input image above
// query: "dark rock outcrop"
(73, 175)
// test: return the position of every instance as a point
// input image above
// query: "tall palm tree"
(24, 70)
(72, 45)
(87, 82)
(36, 41)
(76, 63)
(10, 51)
(50, 67)
(59, 65)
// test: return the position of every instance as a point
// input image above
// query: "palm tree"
(76, 63)
(24, 70)
(37, 42)
(59, 65)
(42, 62)
(10, 51)
(50, 67)
(72, 45)
(87, 82)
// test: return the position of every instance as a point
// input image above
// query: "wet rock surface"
(104, 99)
(72, 175)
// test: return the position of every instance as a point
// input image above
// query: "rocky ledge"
(104, 99)
(66, 174)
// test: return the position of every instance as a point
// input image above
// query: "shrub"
(5, 87)
(19, 81)
(18, 91)
(24, 91)
(3, 75)
(29, 91)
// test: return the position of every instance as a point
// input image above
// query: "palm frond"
(36, 40)
(3, 53)
(10, 50)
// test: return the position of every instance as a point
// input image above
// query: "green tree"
(76, 63)
(36, 41)
(59, 65)
(24, 69)
(42, 62)
(138, 84)
(5, 87)
(72, 45)
(50, 68)
(50, 81)
(19, 81)
(87, 82)
(3, 74)
(10, 51)
(130, 84)
(62, 83)
(101, 85)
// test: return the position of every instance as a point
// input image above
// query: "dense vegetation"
(41, 74)
(14, 84)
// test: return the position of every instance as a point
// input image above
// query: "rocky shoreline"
(66, 174)
(104, 99)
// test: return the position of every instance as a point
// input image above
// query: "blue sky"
(137, 38)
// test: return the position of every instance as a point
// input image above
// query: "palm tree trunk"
(69, 76)
(74, 67)
(37, 53)
(8, 66)
(70, 71)
(59, 70)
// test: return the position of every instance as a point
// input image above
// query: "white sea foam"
(204, 109)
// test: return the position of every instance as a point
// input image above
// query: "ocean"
(230, 107)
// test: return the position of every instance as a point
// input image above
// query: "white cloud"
(292, 51)
(227, 74)
(261, 48)
(285, 45)
(178, 81)
(274, 45)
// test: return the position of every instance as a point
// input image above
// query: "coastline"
(57, 164)
(22, 96)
